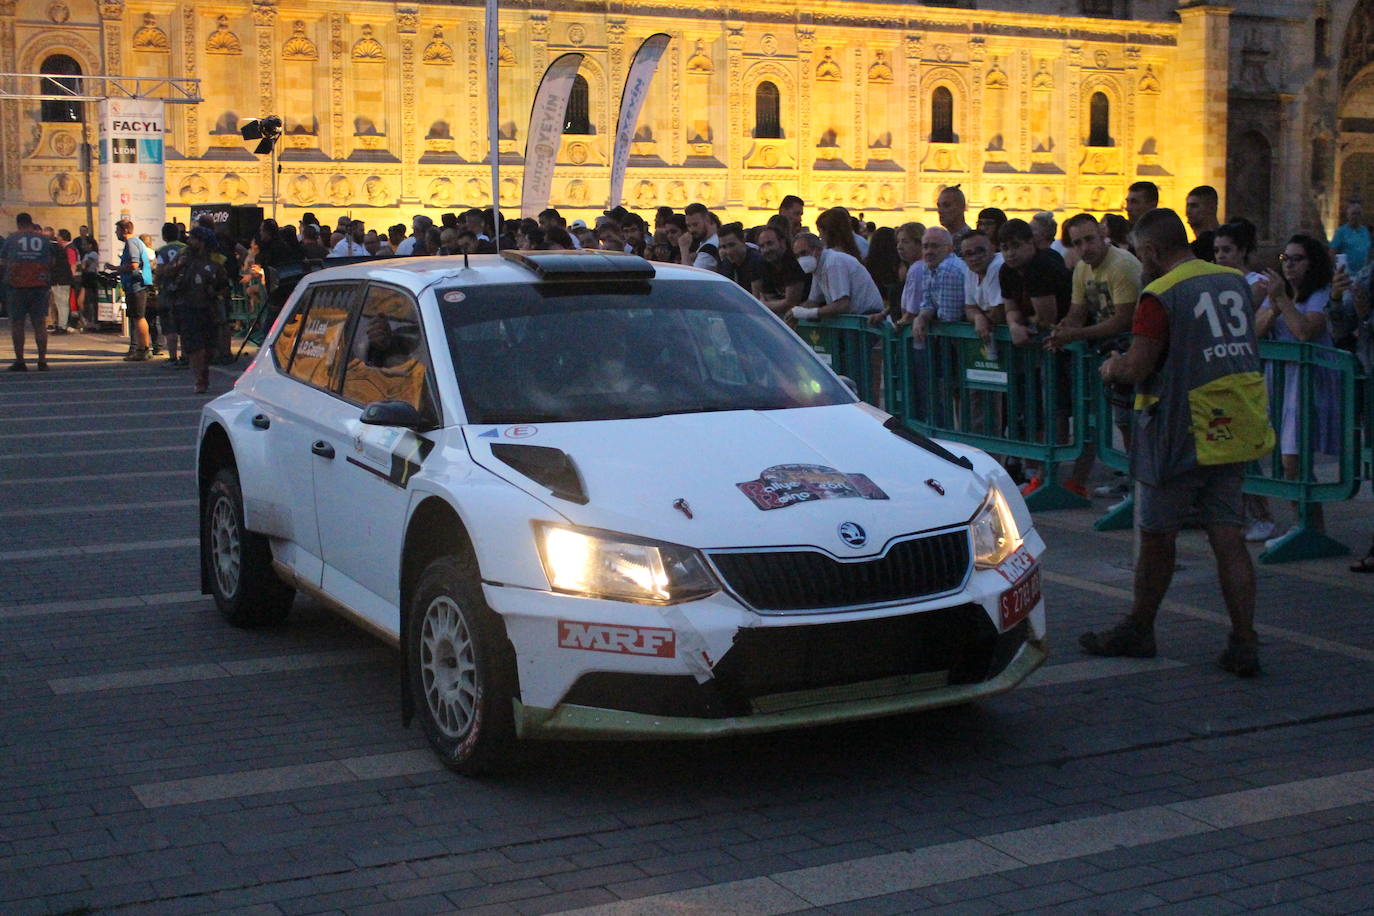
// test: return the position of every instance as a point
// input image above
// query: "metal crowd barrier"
(1044, 407)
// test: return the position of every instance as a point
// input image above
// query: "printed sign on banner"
(132, 185)
(641, 73)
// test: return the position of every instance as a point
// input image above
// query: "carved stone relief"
(376, 191)
(441, 192)
(59, 12)
(65, 189)
(700, 61)
(151, 38)
(368, 48)
(1149, 83)
(828, 69)
(880, 71)
(996, 77)
(233, 188)
(222, 40)
(299, 46)
(301, 190)
(504, 55)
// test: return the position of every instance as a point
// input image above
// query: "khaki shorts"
(1209, 495)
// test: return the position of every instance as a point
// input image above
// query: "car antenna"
(466, 266)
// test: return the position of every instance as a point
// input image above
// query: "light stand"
(267, 131)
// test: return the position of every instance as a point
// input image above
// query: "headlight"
(604, 564)
(994, 531)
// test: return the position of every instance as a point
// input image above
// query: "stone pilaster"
(340, 139)
(806, 137)
(735, 141)
(10, 169)
(265, 33)
(189, 140)
(678, 141)
(1075, 126)
(539, 48)
(912, 145)
(407, 23)
(476, 65)
(1022, 74)
(1201, 99)
(858, 149)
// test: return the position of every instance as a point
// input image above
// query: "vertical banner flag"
(494, 114)
(132, 185)
(545, 131)
(631, 101)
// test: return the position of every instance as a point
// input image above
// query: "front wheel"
(238, 562)
(460, 670)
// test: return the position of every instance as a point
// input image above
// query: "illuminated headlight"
(994, 531)
(604, 564)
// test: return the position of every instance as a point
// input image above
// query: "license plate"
(1018, 600)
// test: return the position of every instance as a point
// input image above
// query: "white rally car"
(591, 496)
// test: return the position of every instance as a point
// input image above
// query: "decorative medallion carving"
(475, 190)
(233, 188)
(887, 197)
(677, 193)
(151, 38)
(769, 44)
(881, 70)
(577, 33)
(407, 19)
(59, 12)
(859, 196)
(438, 51)
(943, 52)
(577, 193)
(700, 61)
(376, 191)
(63, 144)
(302, 190)
(340, 190)
(996, 77)
(299, 46)
(706, 192)
(827, 69)
(222, 40)
(65, 189)
(1102, 60)
(368, 48)
(1043, 78)
(646, 195)
(510, 192)
(1149, 83)
(768, 195)
(195, 189)
(264, 13)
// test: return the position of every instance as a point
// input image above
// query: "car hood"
(703, 479)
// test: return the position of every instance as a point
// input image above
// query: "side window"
(290, 330)
(386, 358)
(321, 336)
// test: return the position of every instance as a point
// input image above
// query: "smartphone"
(1342, 261)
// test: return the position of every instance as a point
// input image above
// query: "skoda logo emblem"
(853, 534)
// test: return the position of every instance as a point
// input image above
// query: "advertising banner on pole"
(545, 131)
(631, 101)
(132, 185)
(494, 113)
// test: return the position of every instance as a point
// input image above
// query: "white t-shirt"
(839, 275)
(704, 258)
(406, 247)
(862, 244)
(347, 248)
(987, 292)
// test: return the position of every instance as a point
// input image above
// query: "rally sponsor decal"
(1018, 600)
(521, 432)
(657, 642)
(788, 484)
(394, 455)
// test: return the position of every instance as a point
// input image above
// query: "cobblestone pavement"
(153, 759)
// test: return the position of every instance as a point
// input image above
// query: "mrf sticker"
(786, 485)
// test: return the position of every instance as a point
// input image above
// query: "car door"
(362, 496)
(306, 354)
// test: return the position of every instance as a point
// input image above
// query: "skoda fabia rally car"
(591, 496)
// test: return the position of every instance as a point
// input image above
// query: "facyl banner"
(132, 185)
(631, 101)
(546, 131)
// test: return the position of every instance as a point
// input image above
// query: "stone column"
(913, 147)
(265, 32)
(407, 23)
(1074, 126)
(477, 110)
(1126, 133)
(341, 139)
(735, 145)
(806, 139)
(1021, 79)
(858, 151)
(9, 111)
(975, 142)
(1201, 98)
(678, 142)
(189, 140)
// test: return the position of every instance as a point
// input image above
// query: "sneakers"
(42, 365)
(1261, 529)
(1111, 491)
(1240, 658)
(1273, 542)
(1123, 639)
(140, 355)
(1076, 488)
(18, 366)
(1030, 486)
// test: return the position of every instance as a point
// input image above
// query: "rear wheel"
(460, 670)
(238, 562)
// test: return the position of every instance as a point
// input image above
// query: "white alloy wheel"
(226, 553)
(448, 667)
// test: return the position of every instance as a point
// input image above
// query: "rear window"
(528, 353)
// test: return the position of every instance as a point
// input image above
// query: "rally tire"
(238, 562)
(460, 668)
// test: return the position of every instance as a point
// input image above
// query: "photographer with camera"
(1106, 285)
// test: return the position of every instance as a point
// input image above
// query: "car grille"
(797, 580)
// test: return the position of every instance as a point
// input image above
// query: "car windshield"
(530, 353)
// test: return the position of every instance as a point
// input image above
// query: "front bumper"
(825, 706)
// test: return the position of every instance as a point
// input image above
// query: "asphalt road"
(153, 759)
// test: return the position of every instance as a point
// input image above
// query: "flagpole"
(493, 115)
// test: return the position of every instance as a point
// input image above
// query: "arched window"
(63, 70)
(578, 117)
(942, 116)
(1099, 120)
(767, 111)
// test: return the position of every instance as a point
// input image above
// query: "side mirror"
(852, 385)
(392, 413)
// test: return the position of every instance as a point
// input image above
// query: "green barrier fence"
(1015, 401)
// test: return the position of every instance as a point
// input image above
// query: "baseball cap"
(579, 224)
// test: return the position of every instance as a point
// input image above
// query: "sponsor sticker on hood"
(785, 485)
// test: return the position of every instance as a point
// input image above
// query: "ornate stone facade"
(873, 106)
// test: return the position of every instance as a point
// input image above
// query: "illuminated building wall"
(875, 106)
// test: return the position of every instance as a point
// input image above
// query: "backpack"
(62, 266)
